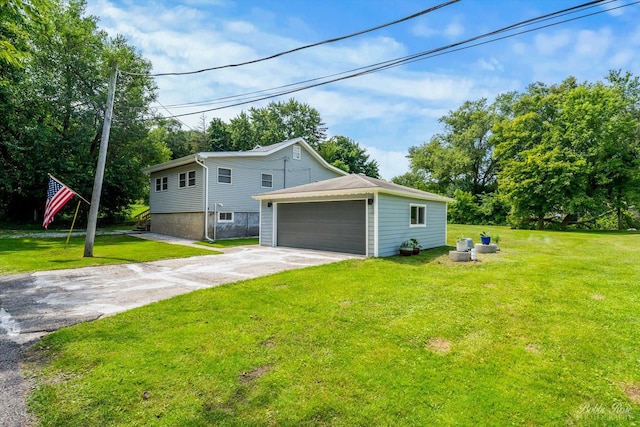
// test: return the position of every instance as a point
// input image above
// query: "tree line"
(55, 65)
(551, 155)
(559, 155)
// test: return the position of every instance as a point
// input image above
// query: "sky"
(385, 112)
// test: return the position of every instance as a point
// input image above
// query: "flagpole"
(64, 185)
(72, 224)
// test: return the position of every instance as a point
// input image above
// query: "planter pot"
(416, 251)
(485, 240)
(406, 252)
(462, 246)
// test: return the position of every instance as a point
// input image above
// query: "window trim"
(184, 180)
(424, 216)
(163, 183)
(262, 180)
(230, 176)
(297, 152)
(225, 220)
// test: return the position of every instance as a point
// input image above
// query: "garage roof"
(350, 185)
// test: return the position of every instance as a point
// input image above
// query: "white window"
(162, 184)
(187, 179)
(225, 216)
(296, 152)
(267, 180)
(224, 176)
(418, 215)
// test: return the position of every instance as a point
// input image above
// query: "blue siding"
(394, 227)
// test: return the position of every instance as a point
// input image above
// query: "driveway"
(34, 304)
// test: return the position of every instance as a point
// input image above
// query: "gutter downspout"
(199, 161)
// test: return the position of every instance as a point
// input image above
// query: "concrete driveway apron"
(34, 304)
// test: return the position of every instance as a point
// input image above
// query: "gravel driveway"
(34, 304)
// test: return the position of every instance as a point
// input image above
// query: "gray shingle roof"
(350, 184)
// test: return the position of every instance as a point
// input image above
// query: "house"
(355, 214)
(209, 195)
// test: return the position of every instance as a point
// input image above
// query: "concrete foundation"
(188, 225)
(459, 256)
(486, 249)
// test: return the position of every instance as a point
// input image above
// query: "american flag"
(57, 196)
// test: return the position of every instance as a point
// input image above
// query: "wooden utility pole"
(102, 160)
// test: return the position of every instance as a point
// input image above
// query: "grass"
(546, 332)
(26, 254)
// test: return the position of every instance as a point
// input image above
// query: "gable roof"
(352, 184)
(258, 151)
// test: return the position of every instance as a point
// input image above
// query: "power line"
(392, 62)
(333, 40)
(430, 53)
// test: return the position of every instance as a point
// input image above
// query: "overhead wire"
(244, 96)
(332, 40)
(429, 53)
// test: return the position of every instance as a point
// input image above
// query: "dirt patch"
(489, 285)
(249, 377)
(345, 303)
(533, 348)
(632, 391)
(438, 345)
(269, 343)
(597, 297)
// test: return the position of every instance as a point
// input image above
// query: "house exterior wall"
(246, 177)
(371, 229)
(188, 225)
(285, 169)
(176, 199)
(266, 223)
(394, 224)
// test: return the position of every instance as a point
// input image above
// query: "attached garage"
(337, 226)
(352, 214)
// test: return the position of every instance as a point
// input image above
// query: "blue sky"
(385, 112)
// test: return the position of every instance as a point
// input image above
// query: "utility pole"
(102, 160)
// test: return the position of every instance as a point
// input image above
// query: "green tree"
(54, 114)
(218, 135)
(346, 154)
(570, 151)
(461, 157)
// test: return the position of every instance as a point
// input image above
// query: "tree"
(461, 157)
(569, 151)
(346, 154)
(19, 18)
(218, 136)
(54, 113)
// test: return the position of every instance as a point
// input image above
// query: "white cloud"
(450, 30)
(454, 29)
(391, 163)
(491, 64)
(240, 27)
(593, 43)
(548, 44)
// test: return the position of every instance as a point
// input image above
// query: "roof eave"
(349, 192)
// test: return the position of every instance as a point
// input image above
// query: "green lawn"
(228, 243)
(545, 332)
(19, 255)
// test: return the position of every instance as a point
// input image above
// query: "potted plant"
(416, 246)
(406, 248)
(461, 244)
(485, 238)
